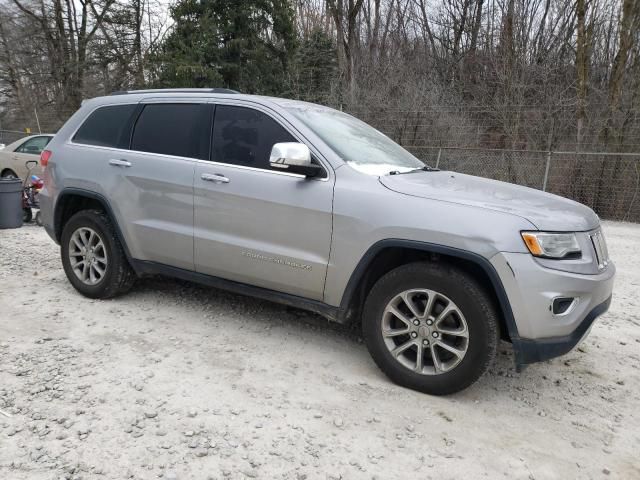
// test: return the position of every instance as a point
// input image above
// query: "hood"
(544, 210)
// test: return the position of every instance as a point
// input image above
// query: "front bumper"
(531, 288)
(532, 351)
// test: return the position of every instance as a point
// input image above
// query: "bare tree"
(345, 14)
(68, 33)
(582, 68)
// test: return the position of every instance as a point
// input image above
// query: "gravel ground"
(179, 381)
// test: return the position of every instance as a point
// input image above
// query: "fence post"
(546, 172)
(438, 159)
(35, 110)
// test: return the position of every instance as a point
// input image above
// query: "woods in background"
(519, 74)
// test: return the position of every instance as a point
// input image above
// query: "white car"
(13, 157)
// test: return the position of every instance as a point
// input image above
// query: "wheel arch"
(73, 200)
(7, 170)
(385, 255)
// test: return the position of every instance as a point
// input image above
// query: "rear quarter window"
(108, 126)
(34, 146)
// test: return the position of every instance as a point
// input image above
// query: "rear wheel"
(92, 256)
(27, 215)
(430, 327)
(9, 174)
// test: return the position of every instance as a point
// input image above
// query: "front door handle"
(119, 163)
(214, 177)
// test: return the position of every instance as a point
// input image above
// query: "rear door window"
(108, 126)
(243, 136)
(34, 146)
(177, 129)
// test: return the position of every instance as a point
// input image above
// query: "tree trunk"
(476, 27)
(581, 71)
(629, 24)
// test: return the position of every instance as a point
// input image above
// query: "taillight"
(44, 157)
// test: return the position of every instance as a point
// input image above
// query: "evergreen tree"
(244, 45)
(315, 69)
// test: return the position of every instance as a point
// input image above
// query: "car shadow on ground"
(205, 298)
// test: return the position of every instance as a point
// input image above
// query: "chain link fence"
(609, 183)
(10, 136)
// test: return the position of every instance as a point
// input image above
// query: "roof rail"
(176, 90)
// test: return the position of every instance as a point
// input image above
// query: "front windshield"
(360, 145)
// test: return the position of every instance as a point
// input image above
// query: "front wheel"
(430, 327)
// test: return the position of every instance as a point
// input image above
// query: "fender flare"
(482, 262)
(79, 192)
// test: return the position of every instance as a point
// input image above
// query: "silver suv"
(304, 205)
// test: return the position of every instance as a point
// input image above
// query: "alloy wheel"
(425, 331)
(88, 256)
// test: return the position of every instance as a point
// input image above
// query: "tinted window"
(107, 127)
(34, 145)
(242, 136)
(180, 129)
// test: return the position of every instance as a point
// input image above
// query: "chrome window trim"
(254, 169)
(215, 101)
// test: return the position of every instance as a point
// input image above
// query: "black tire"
(119, 277)
(27, 215)
(9, 174)
(472, 300)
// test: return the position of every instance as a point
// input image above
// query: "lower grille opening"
(561, 305)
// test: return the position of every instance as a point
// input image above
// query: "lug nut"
(425, 343)
(414, 334)
(429, 322)
(416, 322)
(435, 334)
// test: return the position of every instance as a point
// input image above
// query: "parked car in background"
(308, 206)
(14, 156)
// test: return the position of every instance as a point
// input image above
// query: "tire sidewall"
(465, 294)
(93, 221)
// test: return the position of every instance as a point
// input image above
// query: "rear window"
(179, 129)
(107, 127)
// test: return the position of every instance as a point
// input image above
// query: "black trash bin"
(10, 203)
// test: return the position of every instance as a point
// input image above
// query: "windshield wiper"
(426, 168)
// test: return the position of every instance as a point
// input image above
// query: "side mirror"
(293, 157)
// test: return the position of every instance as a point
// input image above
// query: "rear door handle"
(119, 163)
(214, 177)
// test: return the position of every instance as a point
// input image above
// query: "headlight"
(551, 245)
